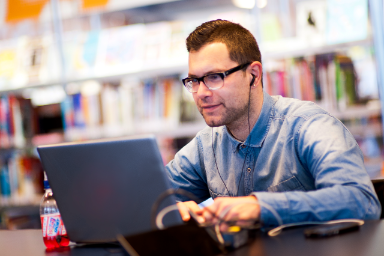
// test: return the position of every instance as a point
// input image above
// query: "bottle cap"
(46, 184)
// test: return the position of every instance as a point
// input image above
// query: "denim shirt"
(298, 159)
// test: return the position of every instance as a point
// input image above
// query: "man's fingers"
(196, 211)
(214, 206)
(183, 210)
(194, 207)
(214, 210)
(231, 214)
(188, 208)
(219, 209)
(208, 216)
(243, 209)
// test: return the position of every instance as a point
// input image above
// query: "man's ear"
(257, 72)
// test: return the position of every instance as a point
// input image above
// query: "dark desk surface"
(368, 241)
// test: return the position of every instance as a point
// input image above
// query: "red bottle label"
(62, 229)
(53, 227)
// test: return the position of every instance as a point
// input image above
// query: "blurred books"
(94, 110)
(21, 178)
(336, 81)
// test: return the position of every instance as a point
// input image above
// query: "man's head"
(241, 44)
(216, 47)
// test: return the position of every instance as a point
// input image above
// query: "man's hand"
(243, 211)
(186, 207)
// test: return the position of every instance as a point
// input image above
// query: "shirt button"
(243, 146)
(249, 169)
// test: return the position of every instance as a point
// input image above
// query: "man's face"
(229, 104)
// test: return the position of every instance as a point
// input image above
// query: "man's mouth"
(209, 108)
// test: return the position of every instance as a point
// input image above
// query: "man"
(262, 158)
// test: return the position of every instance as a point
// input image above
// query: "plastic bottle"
(54, 232)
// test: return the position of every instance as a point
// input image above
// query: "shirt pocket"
(291, 184)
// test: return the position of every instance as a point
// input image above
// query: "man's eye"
(191, 80)
(214, 77)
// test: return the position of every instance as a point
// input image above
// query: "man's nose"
(203, 90)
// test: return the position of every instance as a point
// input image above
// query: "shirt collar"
(260, 130)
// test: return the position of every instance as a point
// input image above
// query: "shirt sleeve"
(186, 171)
(329, 152)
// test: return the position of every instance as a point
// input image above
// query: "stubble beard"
(229, 117)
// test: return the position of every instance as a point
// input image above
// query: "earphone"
(246, 154)
(253, 79)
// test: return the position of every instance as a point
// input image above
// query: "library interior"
(83, 70)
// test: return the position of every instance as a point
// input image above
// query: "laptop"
(106, 188)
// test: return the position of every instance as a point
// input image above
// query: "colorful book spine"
(11, 122)
(5, 184)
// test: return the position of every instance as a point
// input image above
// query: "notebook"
(106, 188)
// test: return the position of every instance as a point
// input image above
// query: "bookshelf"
(112, 90)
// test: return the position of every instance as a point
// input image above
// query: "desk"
(368, 241)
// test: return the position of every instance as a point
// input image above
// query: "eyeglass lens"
(213, 81)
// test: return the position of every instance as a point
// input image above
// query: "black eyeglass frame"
(221, 74)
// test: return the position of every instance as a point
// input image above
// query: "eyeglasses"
(213, 81)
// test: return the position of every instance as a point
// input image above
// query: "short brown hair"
(241, 44)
